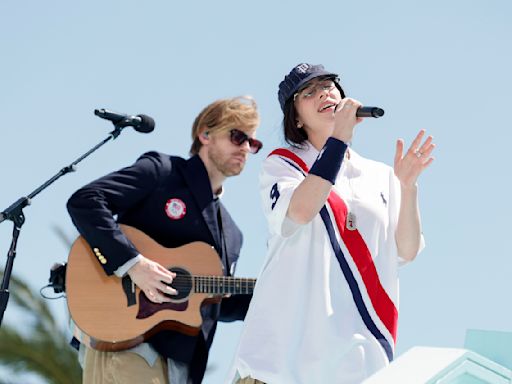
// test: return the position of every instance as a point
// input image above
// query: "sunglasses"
(238, 138)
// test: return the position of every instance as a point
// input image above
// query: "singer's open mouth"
(326, 106)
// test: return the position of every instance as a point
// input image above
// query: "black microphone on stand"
(369, 112)
(141, 123)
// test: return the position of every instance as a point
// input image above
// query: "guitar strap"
(224, 249)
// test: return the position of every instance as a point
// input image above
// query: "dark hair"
(293, 135)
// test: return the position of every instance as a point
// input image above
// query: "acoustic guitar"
(112, 314)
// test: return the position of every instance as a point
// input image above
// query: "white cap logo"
(302, 68)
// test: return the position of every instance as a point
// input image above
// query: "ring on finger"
(418, 154)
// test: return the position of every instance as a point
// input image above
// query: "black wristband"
(328, 162)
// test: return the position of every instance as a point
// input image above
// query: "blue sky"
(439, 65)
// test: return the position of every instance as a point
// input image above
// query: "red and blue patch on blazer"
(175, 209)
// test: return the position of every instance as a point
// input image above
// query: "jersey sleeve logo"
(274, 195)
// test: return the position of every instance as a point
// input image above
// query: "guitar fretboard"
(223, 285)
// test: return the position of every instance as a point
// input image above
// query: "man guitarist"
(174, 201)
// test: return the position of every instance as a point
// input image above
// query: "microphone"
(369, 112)
(141, 123)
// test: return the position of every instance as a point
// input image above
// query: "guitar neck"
(222, 285)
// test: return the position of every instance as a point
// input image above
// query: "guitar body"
(112, 314)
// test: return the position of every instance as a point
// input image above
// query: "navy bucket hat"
(300, 75)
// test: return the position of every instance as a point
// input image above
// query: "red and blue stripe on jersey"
(382, 304)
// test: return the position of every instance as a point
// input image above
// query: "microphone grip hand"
(345, 119)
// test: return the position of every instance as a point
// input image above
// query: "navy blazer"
(138, 195)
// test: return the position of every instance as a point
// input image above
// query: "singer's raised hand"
(408, 167)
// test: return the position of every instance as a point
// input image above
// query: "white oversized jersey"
(325, 307)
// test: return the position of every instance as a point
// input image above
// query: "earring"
(299, 125)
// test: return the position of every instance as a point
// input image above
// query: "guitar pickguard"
(147, 308)
(182, 283)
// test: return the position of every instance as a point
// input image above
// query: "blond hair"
(238, 112)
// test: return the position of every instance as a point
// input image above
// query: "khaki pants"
(249, 380)
(122, 368)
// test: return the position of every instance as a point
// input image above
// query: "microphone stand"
(15, 213)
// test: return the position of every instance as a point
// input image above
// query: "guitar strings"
(212, 282)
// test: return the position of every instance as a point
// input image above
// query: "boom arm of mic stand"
(15, 214)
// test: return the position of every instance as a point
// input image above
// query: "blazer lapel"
(210, 218)
(233, 239)
(196, 177)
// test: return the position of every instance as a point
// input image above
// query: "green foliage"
(45, 349)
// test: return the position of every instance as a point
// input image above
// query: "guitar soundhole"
(182, 283)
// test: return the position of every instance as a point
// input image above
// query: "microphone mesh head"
(147, 125)
(378, 112)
